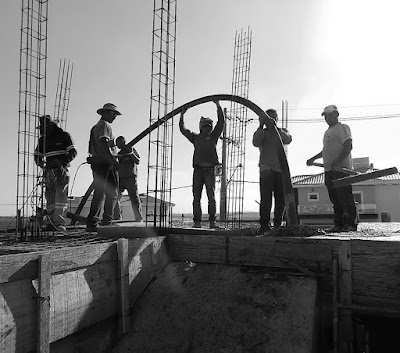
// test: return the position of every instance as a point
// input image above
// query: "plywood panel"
(18, 319)
(376, 268)
(198, 248)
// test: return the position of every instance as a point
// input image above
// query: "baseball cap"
(329, 109)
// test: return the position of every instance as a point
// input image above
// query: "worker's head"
(120, 142)
(331, 114)
(46, 124)
(272, 114)
(109, 112)
(205, 125)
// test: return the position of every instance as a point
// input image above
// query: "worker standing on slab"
(104, 164)
(54, 152)
(270, 170)
(128, 160)
(205, 158)
(337, 146)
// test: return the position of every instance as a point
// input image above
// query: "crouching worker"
(128, 159)
(54, 152)
(205, 159)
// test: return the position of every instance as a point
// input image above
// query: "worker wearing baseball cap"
(337, 146)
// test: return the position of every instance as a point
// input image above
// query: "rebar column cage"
(236, 127)
(63, 93)
(158, 211)
(32, 102)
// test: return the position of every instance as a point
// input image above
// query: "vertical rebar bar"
(159, 168)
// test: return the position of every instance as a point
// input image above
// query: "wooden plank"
(372, 311)
(345, 297)
(43, 299)
(375, 268)
(335, 306)
(123, 284)
(82, 298)
(364, 176)
(197, 248)
(25, 266)
(272, 251)
(147, 258)
(18, 317)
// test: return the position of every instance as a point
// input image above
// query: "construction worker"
(337, 146)
(128, 159)
(205, 159)
(54, 152)
(270, 170)
(102, 159)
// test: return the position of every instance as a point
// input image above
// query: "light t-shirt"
(334, 138)
(101, 130)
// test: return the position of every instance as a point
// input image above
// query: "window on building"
(313, 196)
(358, 197)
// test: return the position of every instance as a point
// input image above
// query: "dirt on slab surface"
(226, 309)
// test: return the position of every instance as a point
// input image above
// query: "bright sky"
(310, 52)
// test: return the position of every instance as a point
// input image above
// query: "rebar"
(159, 168)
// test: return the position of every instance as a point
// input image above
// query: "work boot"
(334, 229)
(197, 224)
(91, 228)
(349, 228)
(213, 225)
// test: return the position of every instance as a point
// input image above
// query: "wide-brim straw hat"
(108, 106)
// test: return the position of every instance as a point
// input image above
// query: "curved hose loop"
(290, 210)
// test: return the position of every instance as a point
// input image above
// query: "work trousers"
(129, 184)
(105, 183)
(56, 193)
(271, 184)
(203, 176)
(342, 199)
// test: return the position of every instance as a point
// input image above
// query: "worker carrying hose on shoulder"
(54, 152)
(270, 170)
(205, 158)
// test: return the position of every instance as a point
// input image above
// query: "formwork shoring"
(159, 169)
(63, 93)
(32, 102)
(237, 122)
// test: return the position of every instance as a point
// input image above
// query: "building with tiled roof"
(378, 200)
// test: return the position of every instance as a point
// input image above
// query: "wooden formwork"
(46, 296)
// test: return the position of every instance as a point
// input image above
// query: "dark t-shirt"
(128, 160)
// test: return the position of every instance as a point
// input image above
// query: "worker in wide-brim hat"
(102, 159)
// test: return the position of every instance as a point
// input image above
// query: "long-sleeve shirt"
(205, 146)
(268, 145)
(57, 147)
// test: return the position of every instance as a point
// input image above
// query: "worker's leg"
(266, 188)
(117, 213)
(111, 192)
(50, 180)
(279, 196)
(209, 180)
(131, 186)
(99, 179)
(197, 189)
(349, 207)
(334, 197)
(61, 197)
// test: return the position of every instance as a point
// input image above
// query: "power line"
(353, 106)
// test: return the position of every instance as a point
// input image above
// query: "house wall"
(388, 200)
